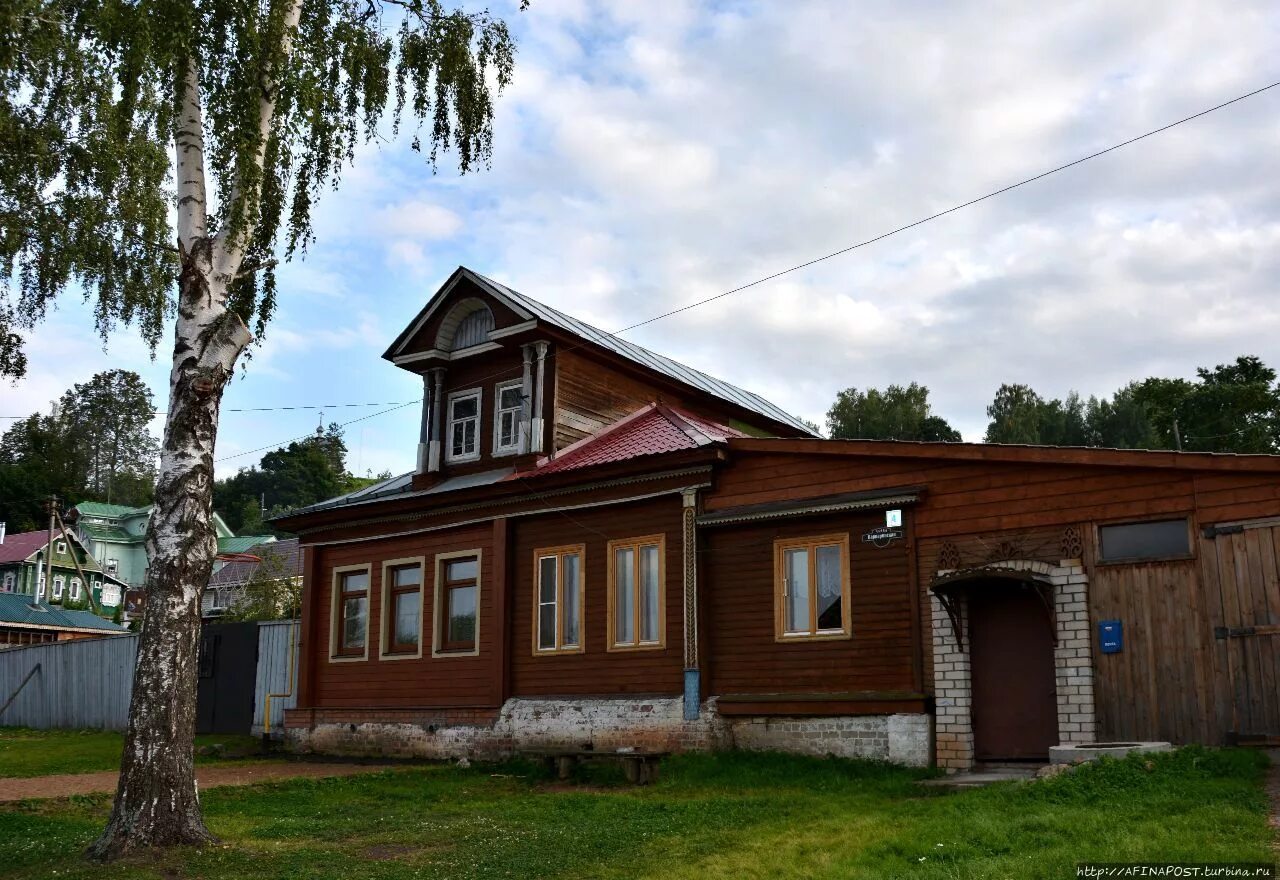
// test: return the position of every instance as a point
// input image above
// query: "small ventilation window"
(1143, 541)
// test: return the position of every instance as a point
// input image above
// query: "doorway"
(1015, 708)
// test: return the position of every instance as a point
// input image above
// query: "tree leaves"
(87, 112)
(897, 413)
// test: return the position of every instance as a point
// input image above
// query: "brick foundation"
(602, 724)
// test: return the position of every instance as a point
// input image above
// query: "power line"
(852, 247)
(300, 406)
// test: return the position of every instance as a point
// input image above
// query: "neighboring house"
(603, 548)
(23, 621)
(116, 536)
(23, 570)
(274, 560)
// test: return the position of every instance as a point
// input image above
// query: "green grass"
(25, 752)
(726, 817)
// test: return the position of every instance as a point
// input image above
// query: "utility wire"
(861, 244)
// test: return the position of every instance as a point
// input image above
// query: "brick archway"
(1067, 585)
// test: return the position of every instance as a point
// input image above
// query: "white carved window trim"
(515, 412)
(450, 421)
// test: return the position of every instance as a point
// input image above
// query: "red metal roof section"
(18, 547)
(653, 430)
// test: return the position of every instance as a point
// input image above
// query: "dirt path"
(207, 776)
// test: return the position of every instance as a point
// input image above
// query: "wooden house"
(602, 548)
(24, 570)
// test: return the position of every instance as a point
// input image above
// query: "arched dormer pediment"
(468, 323)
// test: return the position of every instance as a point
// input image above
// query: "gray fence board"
(88, 683)
(274, 675)
(81, 684)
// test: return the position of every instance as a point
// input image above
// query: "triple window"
(558, 598)
(811, 588)
(637, 616)
(463, 438)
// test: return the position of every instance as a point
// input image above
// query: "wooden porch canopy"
(951, 586)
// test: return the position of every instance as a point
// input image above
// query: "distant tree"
(109, 418)
(1015, 415)
(38, 458)
(1123, 422)
(1231, 408)
(897, 413)
(302, 473)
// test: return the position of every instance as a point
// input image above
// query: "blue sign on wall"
(1110, 636)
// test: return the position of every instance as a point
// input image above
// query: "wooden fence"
(87, 683)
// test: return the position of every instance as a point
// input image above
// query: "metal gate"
(227, 667)
(1241, 565)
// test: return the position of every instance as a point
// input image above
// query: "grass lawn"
(731, 816)
(25, 752)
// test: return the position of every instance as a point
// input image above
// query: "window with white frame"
(113, 565)
(60, 547)
(463, 438)
(507, 405)
(57, 586)
(75, 589)
(8, 582)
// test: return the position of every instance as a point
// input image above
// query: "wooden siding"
(405, 683)
(597, 671)
(425, 338)
(589, 396)
(745, 658)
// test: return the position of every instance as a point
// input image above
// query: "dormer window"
(467, 325)
(508, 403)
(463, 437)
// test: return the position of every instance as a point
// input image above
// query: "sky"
(649, 155)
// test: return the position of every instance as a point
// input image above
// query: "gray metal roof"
(639, 354)
(402, 487)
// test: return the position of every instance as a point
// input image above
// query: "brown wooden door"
(1015, 712)
(1242, 584)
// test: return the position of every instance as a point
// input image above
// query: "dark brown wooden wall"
(442, 681)
(589, 396)
(744, 658)
(596, 670)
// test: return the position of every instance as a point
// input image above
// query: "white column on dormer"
(535, 435)
(526, 399)
(424, 427)
(437, 412)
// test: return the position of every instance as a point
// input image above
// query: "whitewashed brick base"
(1073, 666)
(608, 724)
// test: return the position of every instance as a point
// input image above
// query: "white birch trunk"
(157, 803)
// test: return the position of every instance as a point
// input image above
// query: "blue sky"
(649, 155)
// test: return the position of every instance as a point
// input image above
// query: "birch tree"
(156, 158)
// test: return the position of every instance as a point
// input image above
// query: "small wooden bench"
(640, 766)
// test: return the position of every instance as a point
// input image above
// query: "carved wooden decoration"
(1072, 543)
(948, 557)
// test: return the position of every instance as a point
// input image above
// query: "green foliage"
(897, 413)
(273, 591)
(1231, 408)
(727, 816)
(299, 474)
(89, 107)
(96, 448)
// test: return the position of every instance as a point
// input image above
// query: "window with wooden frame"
(558, 599)
(75, 589)
(401, 624)
(508, 404)
(637, 594)
(349, 635)
(57, 586)
(463, 437)
(811, 588)
(457, 604)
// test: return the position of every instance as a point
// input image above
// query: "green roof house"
(116, 536)
(23, 570)
(24, 621)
